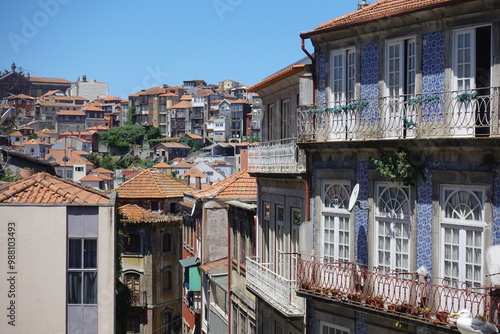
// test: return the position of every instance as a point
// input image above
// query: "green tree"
(95, 159)
(123, 136)
(32, 136)
(153, 133)
(108, 162)
(130, 116)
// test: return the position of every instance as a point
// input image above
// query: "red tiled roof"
(238, 186)
(70, 113)
(36, 142)
(43, 188)
(152, 184)
(183, 164)
(214, 264)
(102, 170)
(54, 80)
(182, 105)
(90, 178)
(132, 213)
(162, 165)
(193, 172)
(74, 157)
(378, 10)
(283, 74)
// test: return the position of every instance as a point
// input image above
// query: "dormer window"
(65, 159)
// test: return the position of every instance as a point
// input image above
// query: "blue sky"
(134, 45)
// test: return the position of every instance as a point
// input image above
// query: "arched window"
(132, 281)
(393, 228)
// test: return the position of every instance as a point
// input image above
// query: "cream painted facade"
(35, 238)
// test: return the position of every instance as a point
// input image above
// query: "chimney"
(362, 4)
(198, 183)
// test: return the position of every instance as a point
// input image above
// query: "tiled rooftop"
(238, 186)
(132, 213)
(43, 188)
(152, 184)
(380, 9)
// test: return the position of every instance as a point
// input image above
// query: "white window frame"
(406, 62)
(397, 215)
(339, 210)
(342, 73)
(458, 62)
(463, 226)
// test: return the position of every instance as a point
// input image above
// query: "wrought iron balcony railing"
(429, 115)
(419, 297)
(273, 288)
(279, 156)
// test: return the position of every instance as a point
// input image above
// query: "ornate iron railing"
(273, 288)
(420, 297)
(429, 115)
(279, 156)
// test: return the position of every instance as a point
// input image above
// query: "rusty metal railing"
(425, 298)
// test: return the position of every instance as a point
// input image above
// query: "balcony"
(416, 297)
(276, 290)
(192, 299)
(429, 115)
(279, 156)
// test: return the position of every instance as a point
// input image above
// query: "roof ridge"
(153, 176)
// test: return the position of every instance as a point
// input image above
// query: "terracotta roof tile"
(238, 186)
(102, 170)
(132, 213)
(214, 264)
(70, 113)
(378, 10)
(183, 164)
(55, 80)
(182, 105)
(193, 172)
(43, 188)
(152, 184)
(162, 165)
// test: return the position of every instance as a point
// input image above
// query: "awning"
(192, 277)
(190, 261)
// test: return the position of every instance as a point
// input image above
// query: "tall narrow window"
(82, 271)
(462, 235)
(393, 228)
(342, 76)
(280, 241)
(266, 234)
(401, 68)
(294, 246)
(270, 118)
(285, 116)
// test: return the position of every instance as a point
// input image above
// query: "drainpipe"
(313, 66)
(309, 304)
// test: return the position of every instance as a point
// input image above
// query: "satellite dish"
(354, 197)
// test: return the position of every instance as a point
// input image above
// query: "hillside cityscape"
(353, 191)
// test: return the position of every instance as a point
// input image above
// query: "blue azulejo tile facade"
(369, 83)
(424, 221)
(362, 214)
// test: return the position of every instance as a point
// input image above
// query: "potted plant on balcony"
(441, 318)
(376, 302)
(426, 313)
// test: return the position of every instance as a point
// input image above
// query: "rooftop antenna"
(362, 4)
